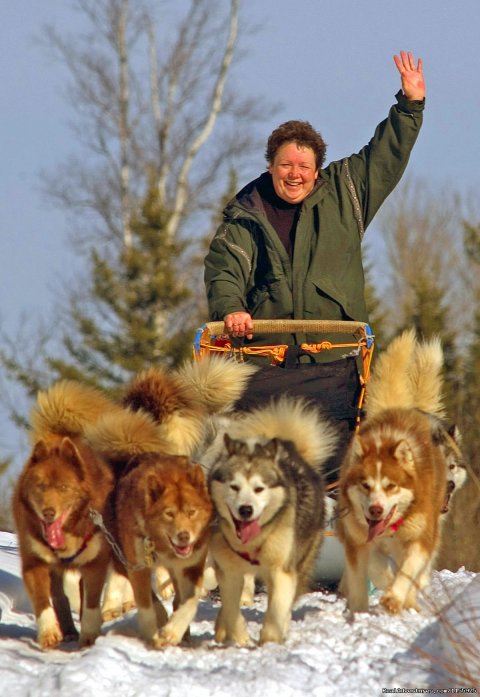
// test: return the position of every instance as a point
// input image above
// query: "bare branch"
(202, 137)
(123, 125)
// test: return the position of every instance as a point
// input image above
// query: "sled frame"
(211, 338)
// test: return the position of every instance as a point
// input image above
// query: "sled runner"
(328, 363)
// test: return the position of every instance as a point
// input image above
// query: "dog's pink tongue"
(376, 527)
(54, 533)
(247, 530)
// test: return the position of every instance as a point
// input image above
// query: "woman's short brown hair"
(300, 132)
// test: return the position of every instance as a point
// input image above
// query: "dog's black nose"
(376, 512)
(48, 515)
(183, 537)
(245, 512)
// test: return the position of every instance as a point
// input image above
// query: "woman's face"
(294, 172)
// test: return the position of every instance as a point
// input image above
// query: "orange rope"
(276, 352)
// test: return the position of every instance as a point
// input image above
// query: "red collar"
(394, 526)
(244, 555)
(247, 557)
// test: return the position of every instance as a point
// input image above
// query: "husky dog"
(450, 440)
(162, 518)
(393, 481)
(267, 488)
(63, 479)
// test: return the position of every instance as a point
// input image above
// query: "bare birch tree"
(158, 129)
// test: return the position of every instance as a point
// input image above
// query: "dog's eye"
(192, 513)
(259, 489)
(366, 486)
(169, 514)
(390, 487)
(235, 487)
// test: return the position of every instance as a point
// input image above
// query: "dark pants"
(333, 387)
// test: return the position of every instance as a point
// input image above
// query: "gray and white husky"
(266, 483)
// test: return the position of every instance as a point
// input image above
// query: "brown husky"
(61, 482)
(162, 516)
(393, 482)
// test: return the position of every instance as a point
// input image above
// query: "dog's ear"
(359, 448)
(153, 490)
(70, 453)
(454, 433)
(234, 447)
(197, 476)
(229, 444)
(403, 454)
(40, 452)
(269, 449)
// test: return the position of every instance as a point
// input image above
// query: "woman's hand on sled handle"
(413, 83)
(239, 324)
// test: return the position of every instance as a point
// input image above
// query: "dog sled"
(330, 368)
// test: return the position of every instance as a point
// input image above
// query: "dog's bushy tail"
(407, 375)
(217, 382)
(389, 386)
(67, 408)
(126, 434)
(425, 375)
(171, 404)
(290, 419)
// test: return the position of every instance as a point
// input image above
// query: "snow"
(326, 653)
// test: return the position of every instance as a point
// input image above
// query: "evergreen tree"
(141, 311)
(423, 233)
(460, 546)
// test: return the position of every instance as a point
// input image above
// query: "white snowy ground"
(325, 654)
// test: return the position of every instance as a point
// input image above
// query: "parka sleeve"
(228, 267)
(379, 166)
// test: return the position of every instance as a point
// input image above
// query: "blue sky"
(330, 62)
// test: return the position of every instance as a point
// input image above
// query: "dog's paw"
(50, 638)
(111, 613)
(49, 633)
(238, 636)
(220, 632)
(391, 603)
(115, 611)
(87, 639)
(168, 636)
(270, 634)
(127, 606)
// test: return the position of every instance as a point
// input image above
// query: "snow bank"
(326, 654)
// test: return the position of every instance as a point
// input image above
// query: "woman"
(290, 243)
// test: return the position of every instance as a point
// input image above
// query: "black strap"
(292, 357)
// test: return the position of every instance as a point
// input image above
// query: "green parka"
(248, 269)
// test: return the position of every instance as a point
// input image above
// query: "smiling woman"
(293, 172)
(295, 152)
